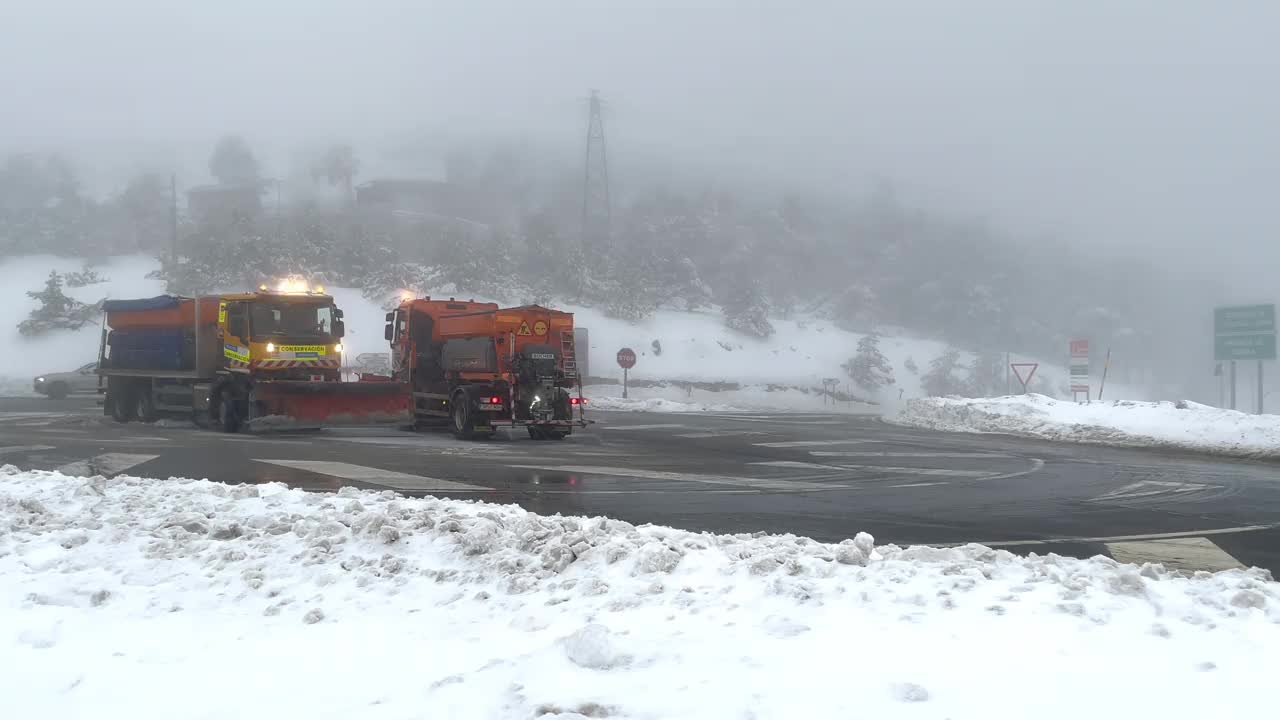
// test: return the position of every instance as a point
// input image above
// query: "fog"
(1129, 129)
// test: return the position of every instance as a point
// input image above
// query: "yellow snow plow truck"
(269, 359)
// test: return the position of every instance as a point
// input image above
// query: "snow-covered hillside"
(134, 599)
(65, 350)
(671, 345)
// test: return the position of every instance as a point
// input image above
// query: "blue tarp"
(159, 302)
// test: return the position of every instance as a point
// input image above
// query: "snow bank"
(140, 599)
(1183, 425)
(674, 399)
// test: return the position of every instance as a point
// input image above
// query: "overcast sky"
(1144, 124)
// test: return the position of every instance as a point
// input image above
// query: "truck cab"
(294, 335)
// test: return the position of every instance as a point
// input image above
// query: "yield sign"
(1028, 368)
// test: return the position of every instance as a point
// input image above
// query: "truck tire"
(57, 391)
(122, 403)
(463, 423)
(144, 404)
(229, 410)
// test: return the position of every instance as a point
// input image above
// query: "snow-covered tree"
(233, 163)
(86, 276)
(986, 375)
(746, 309)
(941, 378)
(338, 166)
(56, 311)
(910, 365)
(869, 368)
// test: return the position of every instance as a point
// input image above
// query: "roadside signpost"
(1020, 368)
(1079, 368)
(626, 361)
(1244, 332)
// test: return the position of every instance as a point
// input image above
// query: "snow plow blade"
(298, 405)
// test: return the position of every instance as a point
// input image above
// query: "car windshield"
(292, 319)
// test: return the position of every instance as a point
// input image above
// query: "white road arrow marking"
(376, 476)
(107, 464)
(1194, 553)
(1148, 488)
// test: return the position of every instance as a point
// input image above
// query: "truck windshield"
(292, 319)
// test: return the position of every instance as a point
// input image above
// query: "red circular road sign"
(626, 358)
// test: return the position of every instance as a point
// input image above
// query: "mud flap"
(288, 405)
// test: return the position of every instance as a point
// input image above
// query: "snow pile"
(1182, 425)
(134, 598)
(673, 399)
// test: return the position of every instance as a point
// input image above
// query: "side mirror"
(337, 313)
(386, 332)
(391, 316)
(236, 326)
(339, 329)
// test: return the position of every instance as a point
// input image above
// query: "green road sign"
(1244, 319)
(1260, 346)
(1244, 332)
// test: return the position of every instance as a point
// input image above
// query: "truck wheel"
(464, 426)
(229, 412)
(144, 406)
(57, 391)
(122, 404)
(555, 434)
(536, 433)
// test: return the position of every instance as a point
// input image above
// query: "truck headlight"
(39, 379)
(337, 348)
(271, 347)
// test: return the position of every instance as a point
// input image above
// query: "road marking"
(1192, 553)
(946, 472)
(107, 464)
(376, 476)
(776, 421)
(654, 426)
(797, 464)
(725, 433)
(758, 483)
(811, 443)
(1148, 488)
(877, 453)
(917, 485)
(9, 449)
(1116, 538)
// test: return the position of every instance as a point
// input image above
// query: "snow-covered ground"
(1186, 425)
(132, 598)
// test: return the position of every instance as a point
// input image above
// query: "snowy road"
(817, 475)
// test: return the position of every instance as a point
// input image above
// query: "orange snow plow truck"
(478, 367)
(269, 359)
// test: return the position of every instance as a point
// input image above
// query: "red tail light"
(577, 401)
(495, 400)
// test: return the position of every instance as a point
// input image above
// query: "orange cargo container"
(168, 312)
